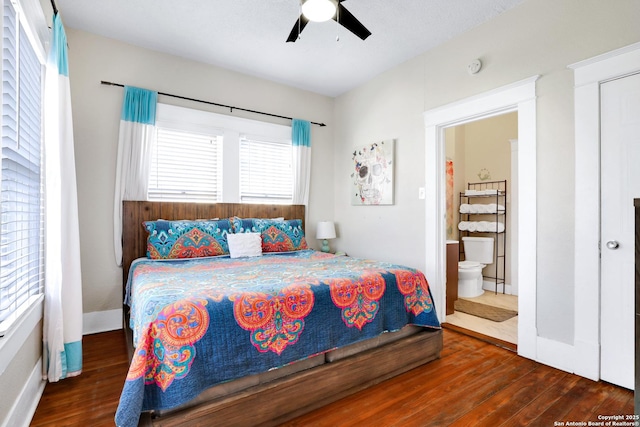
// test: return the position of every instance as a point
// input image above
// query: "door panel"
(620, 184)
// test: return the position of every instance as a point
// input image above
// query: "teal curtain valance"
(301, 151)
(139, 105)
(301, 133)
(58, 51)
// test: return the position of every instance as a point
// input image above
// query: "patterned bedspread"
(205, 321)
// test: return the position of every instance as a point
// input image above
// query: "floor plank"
(473, 383)
(91, 398)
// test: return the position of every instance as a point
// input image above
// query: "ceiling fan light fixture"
(319, 10)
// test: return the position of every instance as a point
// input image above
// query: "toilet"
(478, 253)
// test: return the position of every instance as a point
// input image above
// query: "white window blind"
(186, 166)
(257, 156)
(22, 234)
(265, 171)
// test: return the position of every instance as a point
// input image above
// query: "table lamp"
(326, 230)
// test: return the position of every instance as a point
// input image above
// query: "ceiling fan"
(323, 10)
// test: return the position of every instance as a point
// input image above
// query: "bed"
(260, 340)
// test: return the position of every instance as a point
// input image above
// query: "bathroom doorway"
(518, 96)
(479, 155)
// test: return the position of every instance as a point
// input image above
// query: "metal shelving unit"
(500, 216)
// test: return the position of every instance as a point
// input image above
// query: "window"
(22, 234)
(265, 171)
(186, 166)
(203, 156)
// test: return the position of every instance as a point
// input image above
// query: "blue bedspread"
(200, 322)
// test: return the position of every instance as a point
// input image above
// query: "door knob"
(613, 244)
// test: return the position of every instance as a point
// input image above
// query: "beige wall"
(487, 147)
(96, 115)
(538, 37)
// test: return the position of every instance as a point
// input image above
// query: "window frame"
(30, 23)
(232, 129)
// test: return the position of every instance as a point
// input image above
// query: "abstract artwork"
(449, 198)
(372, 174)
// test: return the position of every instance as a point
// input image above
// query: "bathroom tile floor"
(505, 331)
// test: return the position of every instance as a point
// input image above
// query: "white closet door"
(620, 184)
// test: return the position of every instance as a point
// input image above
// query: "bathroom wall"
(488, 150)
(481, 151)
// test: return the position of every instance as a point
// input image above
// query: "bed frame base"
(281, 400)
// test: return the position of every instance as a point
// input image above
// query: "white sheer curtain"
(301, 140)
(62, 331)
(135, 147)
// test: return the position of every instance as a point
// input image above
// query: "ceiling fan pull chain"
(299, 19)
(338, 23)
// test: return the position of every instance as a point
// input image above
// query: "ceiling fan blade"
(297, 28)
(347, 20)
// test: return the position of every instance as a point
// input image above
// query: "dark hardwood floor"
(91, 398)
(474, 383)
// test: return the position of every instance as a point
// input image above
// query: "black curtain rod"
(55, 9)
(230, 107)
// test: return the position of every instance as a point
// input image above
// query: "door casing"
(519, 96)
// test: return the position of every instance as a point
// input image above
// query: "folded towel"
(493, 227)
(481, 226)
(493, 208)
(490, 208)
(490, 191)
(473, 193)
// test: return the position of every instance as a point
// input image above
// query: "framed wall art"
(372, 175)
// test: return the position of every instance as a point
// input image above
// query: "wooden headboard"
(134, 236)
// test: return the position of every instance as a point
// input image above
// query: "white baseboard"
(24, 408)
(490, 286)
(101, 321)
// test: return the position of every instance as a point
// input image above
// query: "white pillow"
(245, 245)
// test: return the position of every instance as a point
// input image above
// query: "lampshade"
(319, 10)
(326, 230)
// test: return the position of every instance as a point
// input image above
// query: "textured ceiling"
(249, 35)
